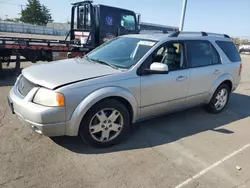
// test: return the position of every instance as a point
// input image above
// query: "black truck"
(91, 25)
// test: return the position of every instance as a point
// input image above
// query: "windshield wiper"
(103, 62)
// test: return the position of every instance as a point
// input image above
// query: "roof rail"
(174, 34)
(202, 33)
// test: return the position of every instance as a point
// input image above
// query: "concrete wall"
(31, 29)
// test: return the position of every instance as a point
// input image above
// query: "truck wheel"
(1, 66)
(107, 123)
(69, 55)
(219, 100)
(17, 69)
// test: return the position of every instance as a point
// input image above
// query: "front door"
(163, 93)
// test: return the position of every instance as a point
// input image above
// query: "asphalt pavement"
(185, 149)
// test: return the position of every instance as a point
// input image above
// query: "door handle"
(217, 72)
(181, 78)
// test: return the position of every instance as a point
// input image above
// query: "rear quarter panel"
(229, 71)
(229, 67)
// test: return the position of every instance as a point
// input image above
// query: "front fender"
(218, 82)
(72, 127)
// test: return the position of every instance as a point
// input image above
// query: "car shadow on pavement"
(169, 128)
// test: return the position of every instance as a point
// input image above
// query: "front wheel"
(107, 123)
(219, 100)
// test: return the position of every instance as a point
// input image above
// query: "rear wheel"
(219, 99)
(107, 123)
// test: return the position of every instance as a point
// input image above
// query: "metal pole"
(183, 15)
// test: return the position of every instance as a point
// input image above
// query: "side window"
(128, 22)
(160, 51)
(199, 53)
(174, 56)
(230, 50)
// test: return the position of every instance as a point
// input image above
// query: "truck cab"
(92, 25)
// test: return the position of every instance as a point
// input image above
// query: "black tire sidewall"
(108, 103)
(211, 106)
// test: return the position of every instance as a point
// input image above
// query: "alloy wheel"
(106, 125)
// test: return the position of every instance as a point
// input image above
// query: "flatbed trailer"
(33, 49)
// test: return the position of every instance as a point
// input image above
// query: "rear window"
(230, 50)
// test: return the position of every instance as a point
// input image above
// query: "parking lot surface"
(185, 149)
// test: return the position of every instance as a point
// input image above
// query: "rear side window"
(201, 53)
(230, 50)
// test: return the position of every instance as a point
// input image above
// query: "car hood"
(55, 74)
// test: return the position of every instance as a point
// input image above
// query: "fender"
(72, 127)
(219, 80)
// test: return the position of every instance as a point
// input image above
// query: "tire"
(211, 106)
(69, 55)
(96, 137)
(1, 67)
(17, 69)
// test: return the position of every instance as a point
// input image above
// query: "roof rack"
(202, 33)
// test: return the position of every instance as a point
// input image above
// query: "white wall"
(31, 29)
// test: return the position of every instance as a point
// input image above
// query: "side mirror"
(157, 68)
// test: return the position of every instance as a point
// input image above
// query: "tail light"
(240, 69)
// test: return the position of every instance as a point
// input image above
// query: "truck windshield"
(122, 52)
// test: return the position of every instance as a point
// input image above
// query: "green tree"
(244, 41)
(236, 41)
(35, 13)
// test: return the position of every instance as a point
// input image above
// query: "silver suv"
(126, 80)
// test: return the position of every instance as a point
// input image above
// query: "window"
(174, 56)
(230, 50)
(160, 51)
(200, 53)
(122, 52)
(84, 17)
(128, 22)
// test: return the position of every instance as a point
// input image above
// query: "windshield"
(122, 52)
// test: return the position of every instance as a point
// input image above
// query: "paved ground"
(187, 149)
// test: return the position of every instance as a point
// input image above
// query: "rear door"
(205, 68)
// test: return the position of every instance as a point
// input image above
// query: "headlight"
(48, 97)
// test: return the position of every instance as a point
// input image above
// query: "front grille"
(24, 86)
